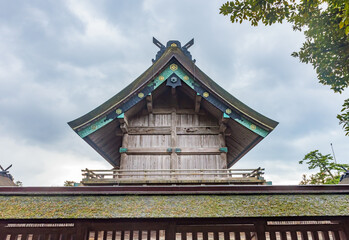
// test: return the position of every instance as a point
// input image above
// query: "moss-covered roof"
(173, 206)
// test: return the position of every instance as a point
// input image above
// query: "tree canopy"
(325, 24)
(329, 171)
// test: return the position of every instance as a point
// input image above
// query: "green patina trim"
(178, 150)
(260, 131)
(94, 127)
(102, 122)
(244, 122)
(223, 149)
(161, 78)
(122, 150)
(122, 115)
(169, 149)
(172, 206)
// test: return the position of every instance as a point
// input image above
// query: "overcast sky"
(61, 59)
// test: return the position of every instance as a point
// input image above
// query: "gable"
(98, 126)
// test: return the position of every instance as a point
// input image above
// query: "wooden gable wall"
(173, 132)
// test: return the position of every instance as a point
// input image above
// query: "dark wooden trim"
(153, 190)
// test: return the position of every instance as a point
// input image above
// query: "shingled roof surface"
(261, 202)
(169, 55)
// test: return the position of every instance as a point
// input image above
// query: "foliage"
(68, 183)
(326, 28)
(329, 173)
(344, 117)
(19, 184)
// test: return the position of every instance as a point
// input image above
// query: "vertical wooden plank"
(184, 235)
(248, 235)
(215, 235)
(226, 236)
(122, 235)
(113, 235)
(336, 235)
(293, 235)
(105, 235)
(96, 235)
(37, 237)
(131, 235)
(283, 235)
(237, 236)
(326, 235)
(148, 235)
(174, 156)
(315, 235)
(140, 233)
(194, 235)
(157, 234)
(305, 235)
(205, 236)
(272, 235)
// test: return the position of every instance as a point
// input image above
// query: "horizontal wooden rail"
(187, 174)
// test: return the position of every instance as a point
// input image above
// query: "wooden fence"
(173, 175)
(334, 228)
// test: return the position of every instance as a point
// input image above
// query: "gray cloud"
(62, 59)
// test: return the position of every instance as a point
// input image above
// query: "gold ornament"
(118, 111)
(140, 95)
(173, 45)
(205, 94)
(173, 67)
(161, 78)
(185, 78)
(253, 127)
(228, 111)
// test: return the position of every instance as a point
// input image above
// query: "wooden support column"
(223, 154)
(123, 157)
(149, 99)
(123, 124)
(174, 156)
(197, 103)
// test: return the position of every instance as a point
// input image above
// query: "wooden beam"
(149, 130)
(178, 111)
(149, 99)
(222, 127)
(180, 151)
(203, 130)
(197, 103)
(123, 123)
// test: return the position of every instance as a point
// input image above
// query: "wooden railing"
(224, 175)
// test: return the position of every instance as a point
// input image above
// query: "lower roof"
(120, 202)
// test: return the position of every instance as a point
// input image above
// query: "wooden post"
(171, 231)
(174, 156)
(149, 99)
(260, 229)
(223, 154)
(123, 158)
(197, 103)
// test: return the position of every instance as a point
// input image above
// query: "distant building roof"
(6, 181)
